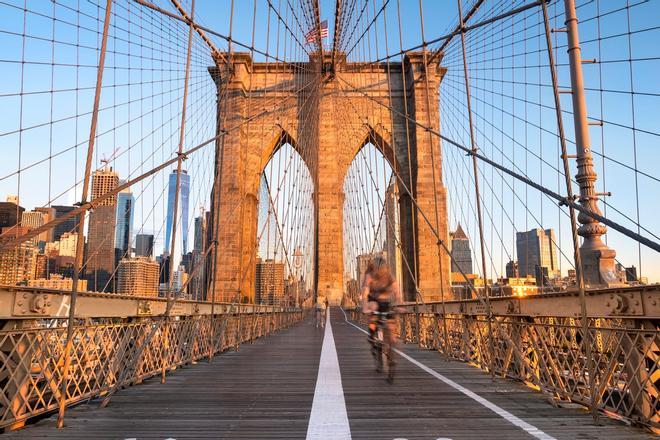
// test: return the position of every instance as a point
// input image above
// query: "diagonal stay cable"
(561, 199)
(46, 226)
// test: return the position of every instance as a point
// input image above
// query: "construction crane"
(106, 160)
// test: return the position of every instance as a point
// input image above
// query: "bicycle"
(382, 345)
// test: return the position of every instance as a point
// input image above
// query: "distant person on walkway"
(318, 313)
(326, 308)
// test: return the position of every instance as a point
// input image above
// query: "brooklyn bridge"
(195, 194)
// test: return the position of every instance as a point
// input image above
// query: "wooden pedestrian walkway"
(272, 389)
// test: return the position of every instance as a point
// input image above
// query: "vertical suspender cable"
(171, 298)
(81, 227)
(475, 168)
(569, 185)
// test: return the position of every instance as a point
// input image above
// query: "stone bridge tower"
(266, 105)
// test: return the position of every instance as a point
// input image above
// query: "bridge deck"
(267, 390)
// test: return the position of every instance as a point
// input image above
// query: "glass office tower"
(183, 207)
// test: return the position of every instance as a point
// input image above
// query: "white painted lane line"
(506, 415)
(329, 419)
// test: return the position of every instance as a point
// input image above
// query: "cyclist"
(380, 295)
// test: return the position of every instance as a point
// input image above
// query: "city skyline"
(110, 250)
(98, 282)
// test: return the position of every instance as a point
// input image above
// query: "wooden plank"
(418, 405)
(265, 391)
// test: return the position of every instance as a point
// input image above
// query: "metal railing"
(546, 351)
(111, 353)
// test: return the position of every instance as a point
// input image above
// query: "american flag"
(312, 35)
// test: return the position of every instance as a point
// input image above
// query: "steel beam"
(20, 303)
(633, 302)
(641, 302)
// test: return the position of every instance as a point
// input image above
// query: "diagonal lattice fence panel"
(109, 355)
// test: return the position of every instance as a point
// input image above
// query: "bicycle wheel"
(388, 353)
(390, 366)
(379, 350)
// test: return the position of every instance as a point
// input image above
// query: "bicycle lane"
(418, 405)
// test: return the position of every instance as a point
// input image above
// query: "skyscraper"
(200, 233)
(137, 276)
(164, 269)
(182, 220)
(41, 269)
(17, 263)
(125, 208)
(460, 252)
(32, 220)
(187, 261)
(10, 214)
(144, 245)
(49, 214)
(179, 278)
(64, 247)
(512, 269)
(100, 255)
(69, 225)
(197, 284)
(537, 247)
